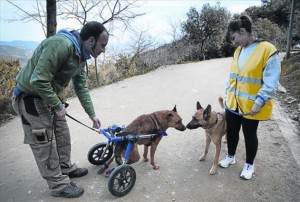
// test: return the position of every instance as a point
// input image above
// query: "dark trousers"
(249, 127)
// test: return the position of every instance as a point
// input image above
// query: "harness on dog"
(157, 131)
(220, 116)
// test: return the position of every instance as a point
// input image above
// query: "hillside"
(30, 45)
(290, 76)
(20, 50)
(15, 53)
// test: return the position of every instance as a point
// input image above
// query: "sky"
(160, 14)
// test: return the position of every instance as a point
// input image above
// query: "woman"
(254, 75)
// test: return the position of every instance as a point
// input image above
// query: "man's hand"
(61, 112)
(96, 122)
(255, 109)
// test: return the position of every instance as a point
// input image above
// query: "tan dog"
(215, 127)
(155, 123)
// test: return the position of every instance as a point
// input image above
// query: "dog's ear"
(206, 113)
(169, 116)
(174, 109)
(199, 106)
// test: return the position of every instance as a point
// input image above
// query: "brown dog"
(215, 127)
(155, 123)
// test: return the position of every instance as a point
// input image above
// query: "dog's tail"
(220, 99)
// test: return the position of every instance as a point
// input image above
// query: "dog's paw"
(102, 169)
(146, 159)
(213, 170)
(202, 158)
(155, 166)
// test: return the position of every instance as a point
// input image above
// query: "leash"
(66, 105)
(54, 118)
(236, 113)
(54, 133)
(82, 123)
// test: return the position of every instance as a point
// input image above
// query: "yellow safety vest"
(244, 84)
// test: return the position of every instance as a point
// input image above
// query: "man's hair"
(93, 29)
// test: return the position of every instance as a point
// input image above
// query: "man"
(56, 61)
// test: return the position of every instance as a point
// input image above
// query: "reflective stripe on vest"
(245, 83)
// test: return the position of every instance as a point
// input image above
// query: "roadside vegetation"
(290, 98)
(201, 37)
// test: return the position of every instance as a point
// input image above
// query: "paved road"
(181, 176)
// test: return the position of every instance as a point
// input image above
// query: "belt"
(17, 92)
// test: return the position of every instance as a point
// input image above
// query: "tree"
(141, 43)
(175, 31)
(39, 15)
(288, 46)
(115, 13)
(111, 12)
(51, 17)
(279, 12)
(206, 28)
(264, 28)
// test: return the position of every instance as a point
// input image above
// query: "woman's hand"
(255, 109)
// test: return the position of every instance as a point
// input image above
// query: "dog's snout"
(192, 126)
(183, 128)
(180, 128)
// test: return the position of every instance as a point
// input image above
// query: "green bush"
(8, 72)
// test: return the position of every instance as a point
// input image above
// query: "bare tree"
(39, 15)
(51, 17)
(175, 31)
(111, 12)
(288, 46)
(141, 42)
(116, 13)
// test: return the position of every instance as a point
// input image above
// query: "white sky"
(160, 14)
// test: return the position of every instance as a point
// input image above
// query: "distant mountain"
(15, 53)
(30, 45)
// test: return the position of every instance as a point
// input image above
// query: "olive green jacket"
(56, 61)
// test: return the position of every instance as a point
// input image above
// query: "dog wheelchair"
(122, 179)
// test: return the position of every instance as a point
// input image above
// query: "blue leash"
(236, 113)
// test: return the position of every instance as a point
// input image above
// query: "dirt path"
(181, 176)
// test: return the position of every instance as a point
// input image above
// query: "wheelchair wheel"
(96, 151)
(121, 180)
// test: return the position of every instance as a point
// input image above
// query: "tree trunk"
(97, 76)
(51, 17)
(288, 46)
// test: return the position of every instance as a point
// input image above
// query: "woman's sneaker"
(247, 172)
(228, 160)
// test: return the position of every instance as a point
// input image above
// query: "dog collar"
(156, 123)
(162, 132)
